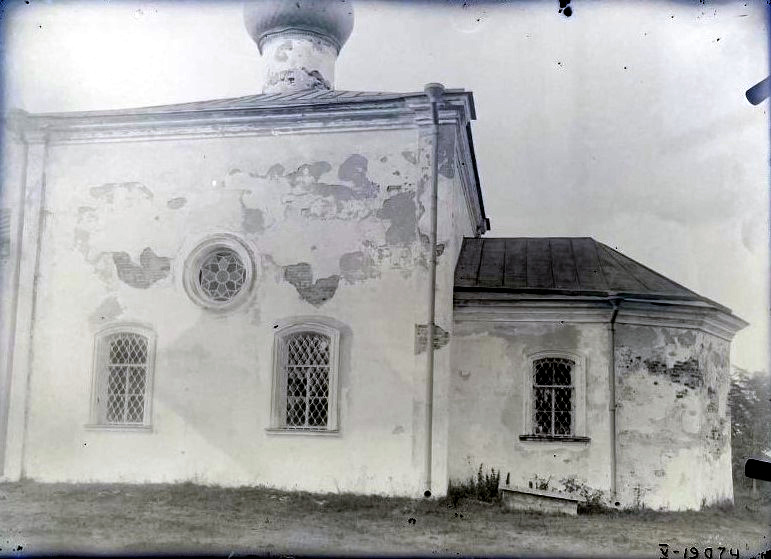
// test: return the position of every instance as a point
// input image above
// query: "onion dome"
(329, 19)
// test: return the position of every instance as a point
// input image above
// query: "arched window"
(554, 396)
(305, 386)
(123, 374)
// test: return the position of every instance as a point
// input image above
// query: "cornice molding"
(675, 314)
(265, 120)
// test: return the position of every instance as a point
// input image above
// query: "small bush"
(538, 482)
(592, 499)
(483, 487)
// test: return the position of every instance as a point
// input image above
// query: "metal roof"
(570, 266)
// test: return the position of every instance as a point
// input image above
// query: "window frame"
(99, 377)
(579, 397)
(278, 392)
(198, 255)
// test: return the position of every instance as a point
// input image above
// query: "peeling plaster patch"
(252, 220)
(318, 81)
(343, 193)
(424, 240)
(316, 293)
(308, 174)
(354, 169)
(357, 266)
(107, 191)
(176, 203)
(151, 268)
(682, 372)
(281, 55)
(109, 309)
(441, 337)
(400, 210)
(410, 157)
(398, 430)
(276, 170)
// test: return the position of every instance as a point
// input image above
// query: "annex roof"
(569, 266)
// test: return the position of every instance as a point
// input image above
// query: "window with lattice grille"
(553, 396)
(123, 375)
(306, 373)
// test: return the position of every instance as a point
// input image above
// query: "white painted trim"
(318, 325)
(98, 385)
(302, 432)
(579, 385)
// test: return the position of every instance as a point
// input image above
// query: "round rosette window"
(219, 273)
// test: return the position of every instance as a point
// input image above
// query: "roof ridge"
(620, 261)
(662, 276)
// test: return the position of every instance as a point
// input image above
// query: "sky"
(625, 121)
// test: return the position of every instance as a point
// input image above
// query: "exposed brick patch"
(685, 372)
(316, 293)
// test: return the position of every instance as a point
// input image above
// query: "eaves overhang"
(486, 306)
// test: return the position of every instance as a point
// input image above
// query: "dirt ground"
(128, 519)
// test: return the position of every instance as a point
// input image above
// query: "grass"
(42, 518)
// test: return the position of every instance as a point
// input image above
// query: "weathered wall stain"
(252, 220)
(316, 293)
(151, 268)
(410, 157)
(276, 170)
(176, 203)
(109, 309)
(400, 210)
(446, 155)
(107, 191)
(358, 266)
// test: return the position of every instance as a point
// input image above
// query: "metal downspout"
(434, 93)
(616, 301)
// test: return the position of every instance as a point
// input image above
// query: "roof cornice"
(695, 315)
(256, 115)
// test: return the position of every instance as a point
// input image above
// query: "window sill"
(554, 439)
(118, 427)
(305, 432)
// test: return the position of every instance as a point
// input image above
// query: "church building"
(298, 289)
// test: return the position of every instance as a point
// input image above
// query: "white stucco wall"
(490, 371)
(345, 203)
(674, 428)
